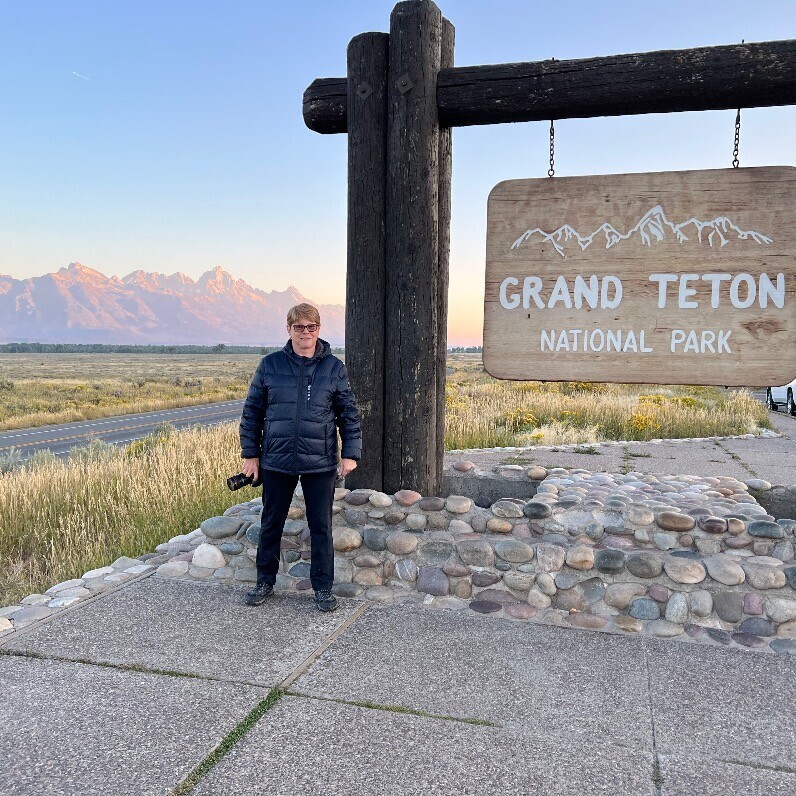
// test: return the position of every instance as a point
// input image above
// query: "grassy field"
(60, 518)
(43, 389)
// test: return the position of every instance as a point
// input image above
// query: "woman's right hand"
(251, 467)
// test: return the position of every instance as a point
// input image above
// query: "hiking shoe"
(325, 601)
(258, 594)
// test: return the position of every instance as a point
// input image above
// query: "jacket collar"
(322, 349)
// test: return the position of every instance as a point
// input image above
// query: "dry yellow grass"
(59, 519)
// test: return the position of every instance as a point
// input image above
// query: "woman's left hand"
(346, 466)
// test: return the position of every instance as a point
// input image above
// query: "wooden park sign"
(398, 103)
(677, 277)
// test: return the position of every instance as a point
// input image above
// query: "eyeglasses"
(301, 327)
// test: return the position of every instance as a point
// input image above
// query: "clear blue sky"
(185, 147)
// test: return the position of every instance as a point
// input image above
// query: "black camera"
(239, 480)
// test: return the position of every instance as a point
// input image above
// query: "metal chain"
(735, 161)
(551, 172)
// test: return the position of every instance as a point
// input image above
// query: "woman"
(297, 399)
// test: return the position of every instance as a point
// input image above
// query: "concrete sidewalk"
(130, 692)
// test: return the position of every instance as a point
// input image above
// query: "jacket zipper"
(298, 415)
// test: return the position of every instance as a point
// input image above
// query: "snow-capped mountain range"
(78, 304)
(653, 225)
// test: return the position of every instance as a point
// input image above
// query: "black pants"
(278, 491)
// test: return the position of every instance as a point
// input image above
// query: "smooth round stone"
(700, 603)
(407, 497)
(753, 605)
(357, 498)
(171, 569)
(790, 576)
(724, 570)
(463, 589)
(637, 515)
(347, 589)
(522, 531)
(97, 573)
(765, 529)
(555, 538)
(536, 473)
(432, 580)
(291, 556)
(292, 528)
(784, 646)
(675, 522)
(380, 594)
(748, 640)
(659, 593)
(757, 626)
(453, 569)
(609, 562)
(376, 538)
(503, 566)
(587, 621)
(463, 466)
(644, 608)
(458, 504)
(735, 526)
(220, 527)
(546, 584)
(518, 581)
(406, 570)
(416, 522)
(231, 548)
(550, 557)
(497, 596)
(664, 629)
(507, 509)
(380, 500)
(620, 595)
(431, 504)
(459, 527)
(760, 576)
(484, 579)
(784, 551)
(569, 600)
(476, 553)
(718, 635)
(628, 623)
(394, 517)
(521, 611)
(565, 580)
(728, 606)
(346, 539)
(695, 631)
(514, 551)
(757, 484)
(300, 570)
(684, 570)
(208, 556)
(780, 610)
(580, 557)
(663, 541)
(536, 510)
(367, 560)
(686, 540)
(355, 517)
(677, 609)
(484, 606)
(712, 524)
(402, 544)
(340, 493)
(370, 576)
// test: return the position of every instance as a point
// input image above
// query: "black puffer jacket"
(292, 408)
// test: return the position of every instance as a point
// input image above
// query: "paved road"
(62, 438)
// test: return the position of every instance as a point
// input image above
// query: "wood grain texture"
(368, 56)
(445, 171)
(762, 341)
(412, 290)
(749, 75)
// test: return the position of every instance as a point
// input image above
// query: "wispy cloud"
(83, 76)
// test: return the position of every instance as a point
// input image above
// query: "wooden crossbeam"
(706, 78)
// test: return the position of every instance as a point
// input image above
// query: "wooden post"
(364, 323)
(412, 292)
(445, 169)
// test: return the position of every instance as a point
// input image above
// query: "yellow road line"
(91, 433)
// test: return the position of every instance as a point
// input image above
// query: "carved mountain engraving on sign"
(676, 277)
(652, 226)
